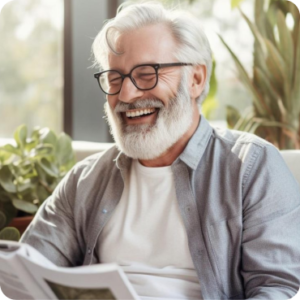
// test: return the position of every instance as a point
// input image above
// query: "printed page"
(102, 281)
(32, 254)
(10, 283)
(15, 281)
(27, 274)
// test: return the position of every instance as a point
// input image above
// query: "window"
(31, 64)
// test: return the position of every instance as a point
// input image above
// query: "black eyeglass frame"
(123, 76)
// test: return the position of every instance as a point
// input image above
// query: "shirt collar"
(192, 153)
(123, 162)
(196, 146)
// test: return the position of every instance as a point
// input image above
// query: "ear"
(198, 80)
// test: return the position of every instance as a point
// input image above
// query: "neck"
(167, 158)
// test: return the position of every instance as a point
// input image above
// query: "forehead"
(150, 44)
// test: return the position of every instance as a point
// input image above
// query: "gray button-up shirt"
(239, 202)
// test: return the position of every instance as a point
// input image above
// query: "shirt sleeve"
(271, 228)
(53, 230)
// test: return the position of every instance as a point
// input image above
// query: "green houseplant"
(29, 172)
(8, 233)
(275, 82)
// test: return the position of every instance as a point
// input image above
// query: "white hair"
(193, 45)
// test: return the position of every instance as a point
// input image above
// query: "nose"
(129, 92)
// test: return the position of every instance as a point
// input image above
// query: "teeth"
(139, 113)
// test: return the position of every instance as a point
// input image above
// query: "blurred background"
(46, 77)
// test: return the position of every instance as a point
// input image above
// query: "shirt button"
(89, 251)
(104, 211)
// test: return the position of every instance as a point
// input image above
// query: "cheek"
(112, 101)
(169, 86)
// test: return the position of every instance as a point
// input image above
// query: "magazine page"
(10, 283)
(101, 281)
(15, 281)
(32, 254)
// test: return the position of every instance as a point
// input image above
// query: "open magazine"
(27, 274)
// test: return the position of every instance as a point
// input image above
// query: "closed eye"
(113, 80)
(145, 75)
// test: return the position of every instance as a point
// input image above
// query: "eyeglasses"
(144, 77)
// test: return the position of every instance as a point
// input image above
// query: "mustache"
(138, 104)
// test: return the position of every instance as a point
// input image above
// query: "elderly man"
(188, 211)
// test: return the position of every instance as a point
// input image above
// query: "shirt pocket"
(225, 239)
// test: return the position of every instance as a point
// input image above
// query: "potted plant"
(275, 82)
(8, 233)
(29, 172)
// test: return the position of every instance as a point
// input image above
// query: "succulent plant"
(275, 82)
(30, 170)
(8, 233)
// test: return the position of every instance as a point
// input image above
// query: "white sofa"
(83, 149)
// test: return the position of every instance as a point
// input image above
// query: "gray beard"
(149, 141)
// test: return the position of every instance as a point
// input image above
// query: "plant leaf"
(30, 144)
(10, 234)
(48, 136)
(259, 61)
(259, 16)
(49, 167)
(41, 174)
(64, 151)
(285, 44)
(6, 179)
(25, 185)
(4, 156)
(232, 116)
(25, 167)
(257, 35)
(277, 68)
(25, 206)
(11, 150)
(267, 90)
(41, 151)
(269, 30)
(35, 135)
(246, 80)
(245, 120)
(296, 83)
(42, 193)
(20, 136)
(267, 122)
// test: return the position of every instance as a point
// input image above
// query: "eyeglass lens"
(144, 77)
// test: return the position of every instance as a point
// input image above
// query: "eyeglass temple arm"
(174, 65)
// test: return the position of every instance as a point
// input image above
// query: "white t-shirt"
(147, 238)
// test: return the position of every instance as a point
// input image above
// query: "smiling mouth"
(141, 113)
